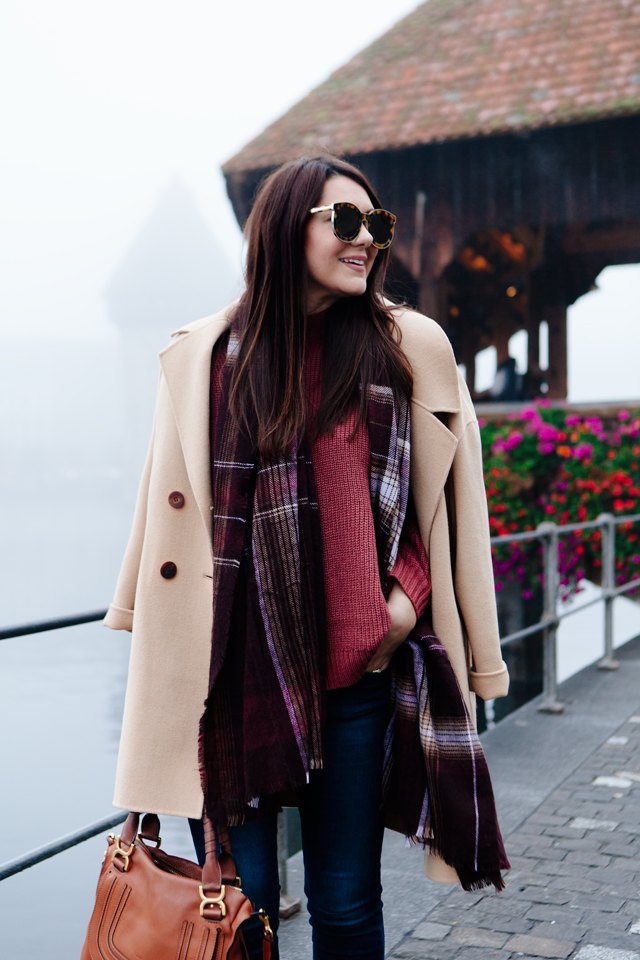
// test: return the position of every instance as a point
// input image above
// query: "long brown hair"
(360, 337)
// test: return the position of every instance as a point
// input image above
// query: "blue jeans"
(342, 829)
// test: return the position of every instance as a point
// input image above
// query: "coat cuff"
(490, 685)
(436, 869)
(118, 618)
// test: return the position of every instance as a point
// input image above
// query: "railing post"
(608, 583)
(550, 702)
(288, 904)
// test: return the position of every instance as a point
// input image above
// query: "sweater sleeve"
(411, 568)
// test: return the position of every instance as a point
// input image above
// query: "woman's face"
(337, 269)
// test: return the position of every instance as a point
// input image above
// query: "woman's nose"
(364, 238)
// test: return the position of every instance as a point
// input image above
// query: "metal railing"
(548, 533)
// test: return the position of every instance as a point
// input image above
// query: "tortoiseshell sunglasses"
(347, 220)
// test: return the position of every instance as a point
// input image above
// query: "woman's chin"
(355, 289)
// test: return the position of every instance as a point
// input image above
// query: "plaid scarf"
(437, 787)
(261, 731)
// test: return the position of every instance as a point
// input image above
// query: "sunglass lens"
(381, 226)
(347, 220)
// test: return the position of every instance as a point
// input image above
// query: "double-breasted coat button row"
(168, 570)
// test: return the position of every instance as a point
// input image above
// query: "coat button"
(168, 570)
(176, 499)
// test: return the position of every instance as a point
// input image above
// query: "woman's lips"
(357, 265)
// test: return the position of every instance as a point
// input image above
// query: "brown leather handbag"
(151, 906)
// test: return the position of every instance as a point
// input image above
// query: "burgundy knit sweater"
(357, 614)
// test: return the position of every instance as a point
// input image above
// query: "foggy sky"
(105, 104)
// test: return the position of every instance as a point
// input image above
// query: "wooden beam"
(622, 237)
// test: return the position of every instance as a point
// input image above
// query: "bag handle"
(212, 879)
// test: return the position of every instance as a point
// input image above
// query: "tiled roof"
(460, 68)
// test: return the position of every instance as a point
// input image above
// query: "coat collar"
(186, 365)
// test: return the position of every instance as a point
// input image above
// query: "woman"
(278, 481)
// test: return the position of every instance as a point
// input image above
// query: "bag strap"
(211, 872)
(212, 879)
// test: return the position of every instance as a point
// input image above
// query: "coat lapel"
(186, 365)
(432, 450)
(435, 391)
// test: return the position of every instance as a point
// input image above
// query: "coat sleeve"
(120, 613)
(474, 585)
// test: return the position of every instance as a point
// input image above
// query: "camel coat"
(171, 619)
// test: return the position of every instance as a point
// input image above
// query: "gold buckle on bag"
(268, 932)
(213, 901)
(125, 854)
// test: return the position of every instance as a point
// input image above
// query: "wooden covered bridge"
(505, 135)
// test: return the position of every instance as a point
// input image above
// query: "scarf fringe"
(469, 879)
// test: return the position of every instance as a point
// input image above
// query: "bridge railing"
(548, 533)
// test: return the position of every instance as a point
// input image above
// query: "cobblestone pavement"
(574, 886)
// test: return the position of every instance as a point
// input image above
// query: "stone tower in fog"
(173, 273)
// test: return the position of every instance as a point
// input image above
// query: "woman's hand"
(403, 620)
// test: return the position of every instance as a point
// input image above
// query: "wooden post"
(432, 254)
(556, 317)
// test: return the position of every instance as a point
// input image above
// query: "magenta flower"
(548, 432)
(529, 413)
(546, 447)
(512, 440)
(582, 451)
(623, 415)
(572, 420)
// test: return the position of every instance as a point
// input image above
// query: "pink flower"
(546, 447)
(529, 413)
(482, 422)
(527, 594)
(512, 440)
(623, 415)
(636, 558)
(547, 432)
(582, 451)
(572, 420)
(594, 424)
